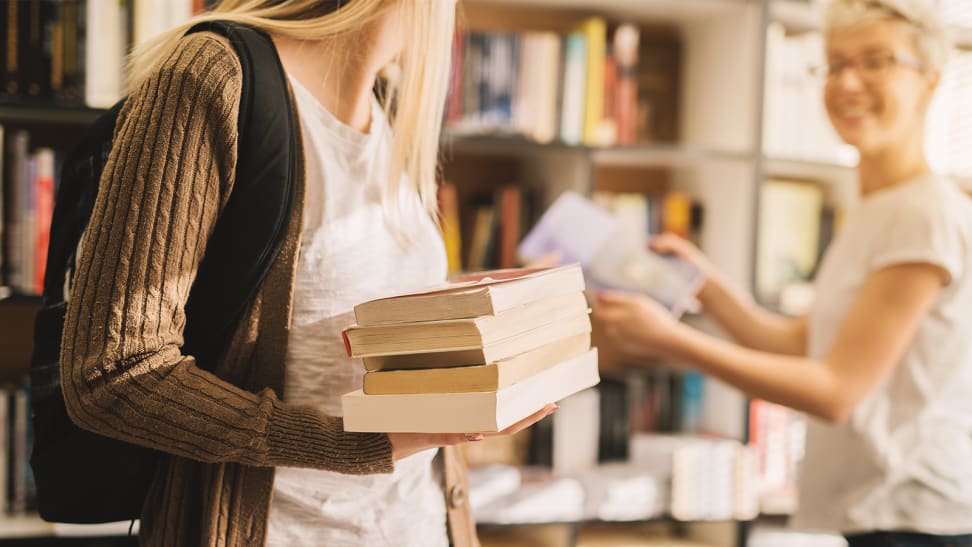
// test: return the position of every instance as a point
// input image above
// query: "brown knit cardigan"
(123, 374)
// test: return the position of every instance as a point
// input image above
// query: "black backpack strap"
(251, 229)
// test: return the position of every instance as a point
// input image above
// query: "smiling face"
(877, 90)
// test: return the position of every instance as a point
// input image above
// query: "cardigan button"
(457, 496)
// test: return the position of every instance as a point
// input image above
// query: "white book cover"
(469, 412)
(105, 50)
(612, 255)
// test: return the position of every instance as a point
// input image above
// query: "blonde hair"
(418, 94)
(932, 37)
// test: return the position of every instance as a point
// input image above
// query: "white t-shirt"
(350, 254)
(904, 459)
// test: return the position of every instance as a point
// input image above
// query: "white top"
(904, 459)
(349, 254)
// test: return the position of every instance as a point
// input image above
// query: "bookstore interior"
(572, 128)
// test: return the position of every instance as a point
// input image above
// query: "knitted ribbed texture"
(167, 178)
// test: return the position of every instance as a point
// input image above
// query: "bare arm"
(734, 310)
(871, 341)
(748, 323)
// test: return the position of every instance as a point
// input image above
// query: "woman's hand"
(406, 444)
(637, 324)
(671, 244)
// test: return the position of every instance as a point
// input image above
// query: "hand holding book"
(636, 324)
(613, 256)
(406, 444)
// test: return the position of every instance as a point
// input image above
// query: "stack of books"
(477, 354)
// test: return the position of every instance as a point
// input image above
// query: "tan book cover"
(469, 412)
(491, 377)
(484, 293)
(461, 334)
(491, 353)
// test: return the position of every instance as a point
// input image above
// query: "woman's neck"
(339, 75)
(892, 166)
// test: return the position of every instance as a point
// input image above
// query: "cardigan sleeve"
(122, 369)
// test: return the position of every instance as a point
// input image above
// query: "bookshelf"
(719, 156)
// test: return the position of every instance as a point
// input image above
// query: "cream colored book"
(489, 377)
(484, 355)
(484, 411)
(461, 334)
(484, 293)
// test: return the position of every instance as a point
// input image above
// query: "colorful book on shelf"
(612, 254)
(594, 30)
(483, 293)
(490, 377)
(469, 412)
(105, 47)
(462, 334)
(488, 353)
(449, 221)
(572, 111)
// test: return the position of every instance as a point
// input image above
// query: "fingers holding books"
(406, 444)
(672, 244)
(529, 420)
(635, 323)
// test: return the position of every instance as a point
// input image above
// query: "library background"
(694, 116)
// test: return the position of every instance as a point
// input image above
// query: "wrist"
(712, 286)
(677, 341)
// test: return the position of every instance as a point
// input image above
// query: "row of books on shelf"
(597, 84)
(485, 232)
(777, 435)
(27, 187)
(685, 477)
(795, 120)
(72, 52)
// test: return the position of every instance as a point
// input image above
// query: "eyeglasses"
(870, 67)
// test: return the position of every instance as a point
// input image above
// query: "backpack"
(82, 477)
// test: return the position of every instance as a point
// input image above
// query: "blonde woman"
(883, 361)
(243, 464)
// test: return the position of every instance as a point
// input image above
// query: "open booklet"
(612, 255)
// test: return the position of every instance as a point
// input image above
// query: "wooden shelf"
(32, 526)
(24, 526)
(48, 115)
(823, 171)
(669, 155)
(637, 155)
(660, 11)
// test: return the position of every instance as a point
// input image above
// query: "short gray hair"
(933, 41)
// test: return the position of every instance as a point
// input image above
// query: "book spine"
(18, 461)
(449, 218)
(509, 228)
(626, 102)
(12, 55)
(595, 32)
(17, 209)
(6, 450)
(107, 39)
(44, 210)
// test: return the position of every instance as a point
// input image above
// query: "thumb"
(665, 243)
